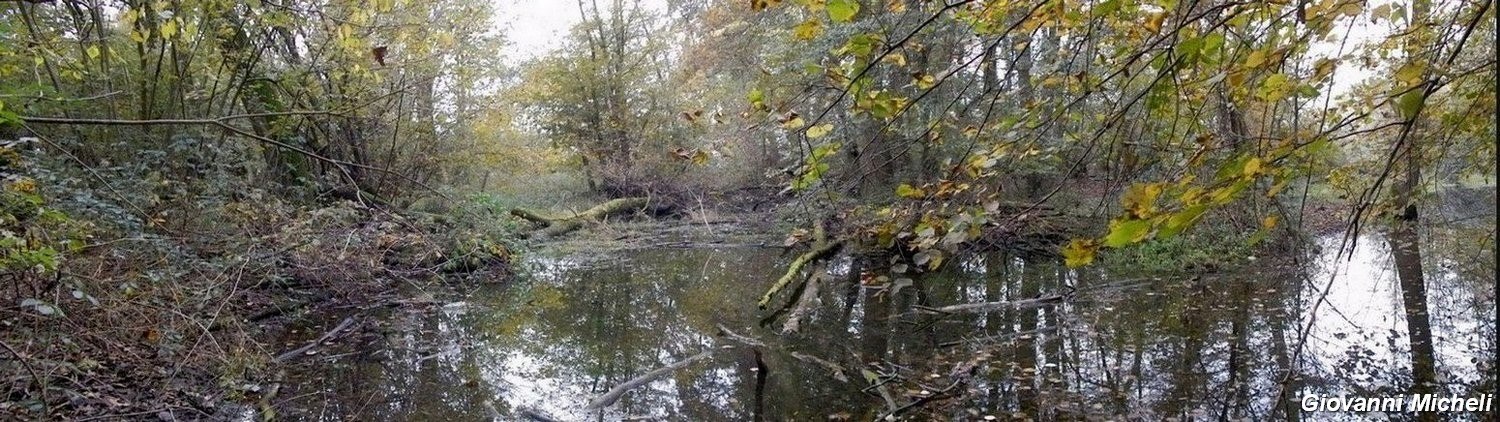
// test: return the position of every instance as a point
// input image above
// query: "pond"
(1112, 345)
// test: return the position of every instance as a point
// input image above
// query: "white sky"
(534, 27)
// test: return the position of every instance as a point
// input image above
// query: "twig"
(837, 370)
(748, 341)
(918, 402)
(41, 385)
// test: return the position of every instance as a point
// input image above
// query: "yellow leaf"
(1255, 59)
(1153, 22)
(169, 29)
(794, 123)
(1139, 200)
(1323, 68)
(897, 59)
(1269, 222)
(1079, 252)
(819, 131)
(907, 191)
(1411, 73)
(924, 80)
(808, 30)
(895, 6)
(1253, 167)
(93, 52)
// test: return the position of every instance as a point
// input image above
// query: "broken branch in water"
(918, 402)
(620, 390)
(838, 371)
(325, 337)
(746, 340)
(991, 306)
(822, 248)
(804, 303)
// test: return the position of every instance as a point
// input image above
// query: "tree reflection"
(1127, 346)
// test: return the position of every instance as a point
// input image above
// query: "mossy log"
(561, 226)
(822, 248)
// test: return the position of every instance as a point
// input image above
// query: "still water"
(1243, 346)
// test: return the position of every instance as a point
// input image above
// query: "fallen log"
(561, 226)
(619, 390)
(822, 247)
(804, 303)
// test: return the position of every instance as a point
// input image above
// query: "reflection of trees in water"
(1406, 251)
(1210, 348)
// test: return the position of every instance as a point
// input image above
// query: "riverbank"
(176, 323)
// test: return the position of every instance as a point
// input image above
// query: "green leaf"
(1108, 7)
(1125, 232)
(1275, 88)
(1181, 220)
(842, 10)
(1410, 103)
(757, 99)
(7, 117)
(907, 191)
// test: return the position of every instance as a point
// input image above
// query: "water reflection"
(1137, 346)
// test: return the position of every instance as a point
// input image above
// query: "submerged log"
(561, 226)
(805, 303)
(294, 353)
(822, 248)
(619, 390)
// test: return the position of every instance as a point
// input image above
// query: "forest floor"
(184, 327)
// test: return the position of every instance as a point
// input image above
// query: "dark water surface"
(1122, 346)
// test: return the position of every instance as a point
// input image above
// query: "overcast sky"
(535, 27)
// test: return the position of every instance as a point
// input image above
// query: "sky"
(535, 27)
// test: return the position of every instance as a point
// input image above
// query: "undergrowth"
(1208, 248)
(156, 299)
